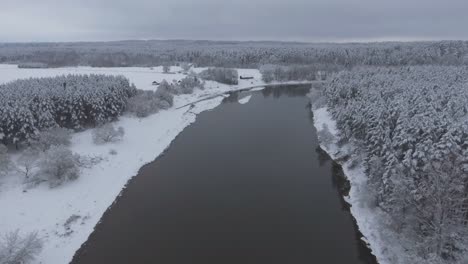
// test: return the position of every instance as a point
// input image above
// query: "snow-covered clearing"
(65, 216)
(371, 221)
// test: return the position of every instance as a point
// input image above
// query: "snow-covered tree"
(143, 104)
(165, 94)
(187, 85)
(74, 101)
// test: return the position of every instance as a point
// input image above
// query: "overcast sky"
(301, 20)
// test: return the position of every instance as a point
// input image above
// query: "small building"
(155, 83)
(246, 77)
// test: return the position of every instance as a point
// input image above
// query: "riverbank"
(371, 221)
(65, 216)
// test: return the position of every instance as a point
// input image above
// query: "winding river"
(243, 184)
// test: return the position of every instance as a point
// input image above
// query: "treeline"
(281, 73)
(145, 103)
(410, 127)
(221, 75)
(234, 54)
(73, 101)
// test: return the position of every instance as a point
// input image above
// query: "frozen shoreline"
(370, 221)
(85, 200)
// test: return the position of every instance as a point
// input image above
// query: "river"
(243, 184)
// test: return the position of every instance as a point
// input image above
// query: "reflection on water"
(244, 184)
(294, 91)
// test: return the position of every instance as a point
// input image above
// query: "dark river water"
(243, 184)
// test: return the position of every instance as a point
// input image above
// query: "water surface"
(243, 184)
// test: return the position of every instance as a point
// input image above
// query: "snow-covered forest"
(409, 129)
(234, 54)
(294, 73)
(221, 75)
(402, 106)
(73, 101)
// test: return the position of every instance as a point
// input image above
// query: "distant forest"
(235, 54)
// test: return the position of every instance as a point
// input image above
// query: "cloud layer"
(302, 20)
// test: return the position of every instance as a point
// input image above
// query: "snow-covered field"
(85, 200)
(371, 221)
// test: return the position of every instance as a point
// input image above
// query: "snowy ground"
(85, 200)
(371, 221)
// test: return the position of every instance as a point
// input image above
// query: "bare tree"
(52, 137)
(27, 162)
(15, 249)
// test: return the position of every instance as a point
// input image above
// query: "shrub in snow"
(221, 75)
(185, 67)
(166, 68)
(88, 161)
(113, 152)
(325, 136)
(5, 161)
(73, 101)
(52, 137)
(107, 133)
(59, 165)
(15, 249)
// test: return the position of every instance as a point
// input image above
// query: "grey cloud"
(304, 20)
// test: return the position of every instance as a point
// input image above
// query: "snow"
(47, 210)
(245, 99)
(257, 89)
(369, 220)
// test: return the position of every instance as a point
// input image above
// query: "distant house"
(156, 83)
(246, 77)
